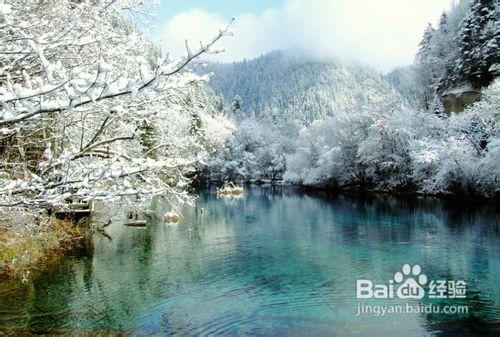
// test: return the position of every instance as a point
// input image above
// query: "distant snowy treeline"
(321, 123)
(382, 148)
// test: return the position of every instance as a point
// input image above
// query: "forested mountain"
(407, 81)
(291, 85)
(372, 131)
(456, 59)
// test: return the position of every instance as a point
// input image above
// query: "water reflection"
(276, 261)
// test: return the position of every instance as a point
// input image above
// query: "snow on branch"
(89, 108)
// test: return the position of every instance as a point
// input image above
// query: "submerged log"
(76, 211)
(103, 232)
(137, 223)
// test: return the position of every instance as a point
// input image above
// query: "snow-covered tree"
(90, 108)
(468, 156)
(478, 42)
(388, 149)
(414, 84)
(237, 108)
(462, 50)
(256, 150)
(289, 85)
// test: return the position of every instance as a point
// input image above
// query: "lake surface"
(274, 262)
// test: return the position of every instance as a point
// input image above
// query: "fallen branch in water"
(102, 230)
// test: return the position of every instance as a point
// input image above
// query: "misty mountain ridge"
(287, 84)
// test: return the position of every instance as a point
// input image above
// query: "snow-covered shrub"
(386, 152)
(327, 151)
(256, 150)
(468, 158)
(388, 148)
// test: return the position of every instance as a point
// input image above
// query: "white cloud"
(252, 36)
(381, 33)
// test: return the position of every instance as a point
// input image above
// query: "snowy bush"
(396, 148)
(256, 150)
(468, 160)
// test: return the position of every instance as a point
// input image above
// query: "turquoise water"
(274, 262)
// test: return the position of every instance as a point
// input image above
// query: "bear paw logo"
(413, 282)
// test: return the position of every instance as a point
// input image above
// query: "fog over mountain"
(292, 85)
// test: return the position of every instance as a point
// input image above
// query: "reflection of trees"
(480, 321)
(297, 247)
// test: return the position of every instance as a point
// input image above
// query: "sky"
(383, 34)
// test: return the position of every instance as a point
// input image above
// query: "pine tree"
(443, 22)
(237, 108)
(219, 104)
(424, 52)
(425, 66)
(237, 104)
(478, 43)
